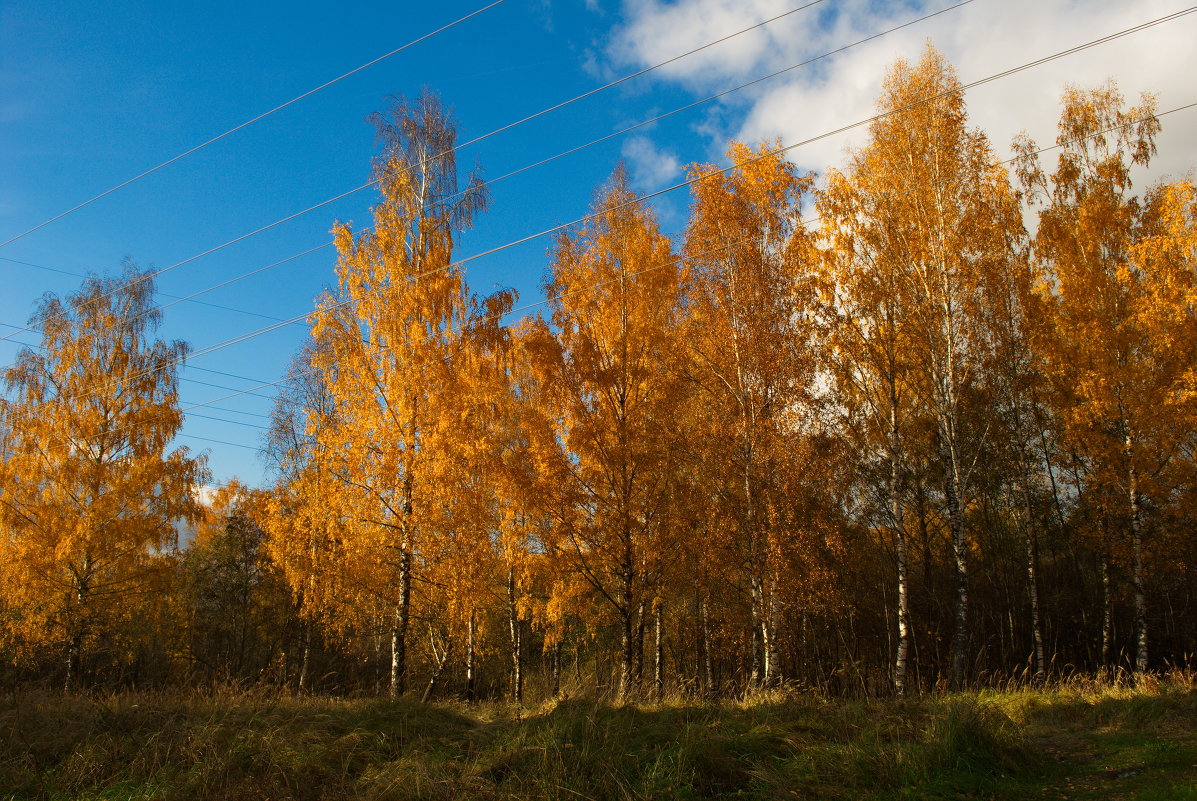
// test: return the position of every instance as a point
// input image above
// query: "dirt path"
(1117, 761)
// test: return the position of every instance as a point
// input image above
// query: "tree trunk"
(641, 622)
(658, 657)
(600, 680)
(773, 625)
(627, 647)
(305, 660)
(627, 641)
(399, 632)
(1136, 531)
(442, 660)
(960, 552)
(708, 668)
(82, 592)
(1031, 547)
(513, 628)
(760, 635)
(398, 661)
(769, 637)
(376, 663)
(1032, 555)
(469, 660)
(555, 670)
(74, 653)
(755, 675)
(1107, 613)
(902, 655)
(930, 582)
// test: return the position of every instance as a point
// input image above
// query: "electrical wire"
(767, 154)
(473, 141)
(218, 441)
(593, 142)
(805, 223)
(32, 346)
(231, 422)
(193, 367)
(249, 122)
(227, 375)
(690, 181)
(175, 298)
(238, 411)
(776, 151)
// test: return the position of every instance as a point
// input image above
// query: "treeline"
(895, 444)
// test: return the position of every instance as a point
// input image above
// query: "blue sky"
(92, 94)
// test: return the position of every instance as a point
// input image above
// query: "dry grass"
(238, 746)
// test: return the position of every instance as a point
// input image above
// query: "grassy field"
(1080, 741)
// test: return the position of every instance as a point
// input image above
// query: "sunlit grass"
(1078, 739)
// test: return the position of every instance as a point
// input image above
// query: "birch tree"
(390, 342)
(751, 351)
(90, 487)
(1114, 349)
(922, 204)
(611, 387)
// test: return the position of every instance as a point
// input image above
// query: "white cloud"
(205, 495)
(980, 39)
(655, 31)
(651, 168)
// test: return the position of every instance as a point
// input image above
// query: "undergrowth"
(240, 746)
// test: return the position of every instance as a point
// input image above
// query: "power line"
(32, 346)
(221, 386)
(250, 392)
(175, 298)
(776, 151)
(473, 141)
(188, 409)
(231, 422)
(249, 122)
(193, 367)
(599, 140)
(235, 279)
(181, 363)
(704, 176)
(644, 71)
(238, 411)
(675, 260)
(227, 375)
(575, 149)
(218, 441)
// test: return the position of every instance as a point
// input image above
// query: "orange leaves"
(391, 487)
(1121, 274)
(608, 380)
(90, 496)
(1118, 350)
(924, 238)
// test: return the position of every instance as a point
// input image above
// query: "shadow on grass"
(1113, 742)
(787, 749)
(240, 747)
(233, 746)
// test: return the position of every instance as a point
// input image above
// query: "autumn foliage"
(91, 488)
(865, 431)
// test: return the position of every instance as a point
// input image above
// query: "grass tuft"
(1081, 739)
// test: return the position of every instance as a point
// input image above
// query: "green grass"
(1083, 741)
